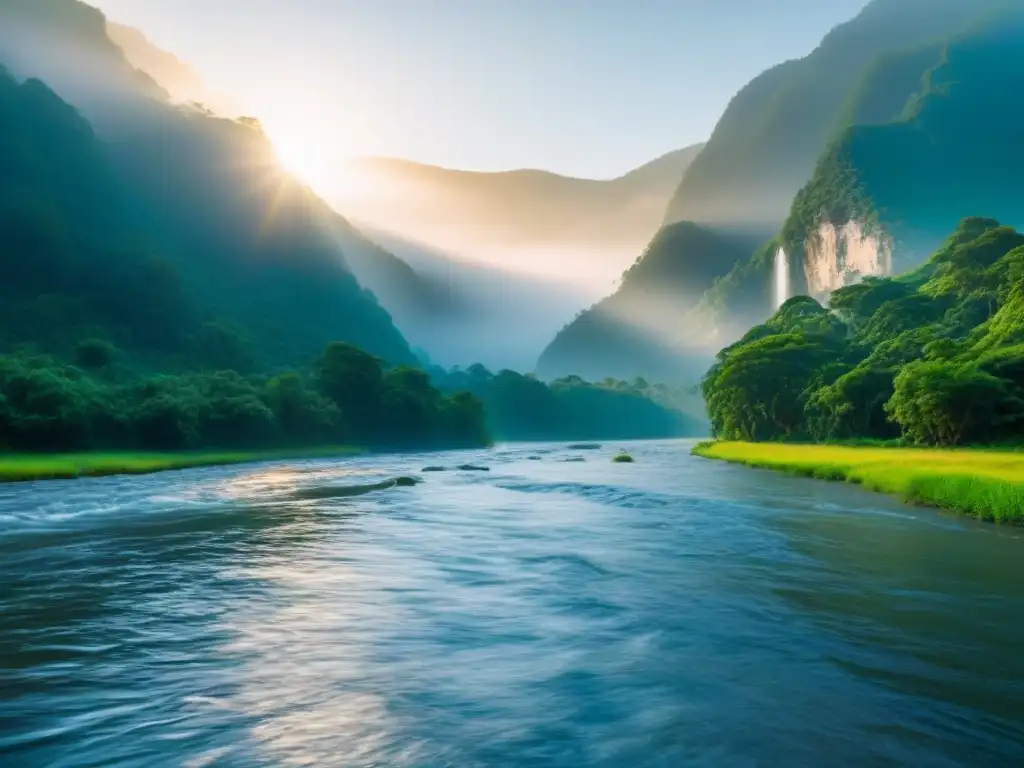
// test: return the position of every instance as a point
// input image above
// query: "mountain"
(637, 328)
(766, 144)
(764, 150)
(934, 356)
(461, 312)
(171, 233)
(64, 43)
(524, 220)
(883, 196)
(181, 81)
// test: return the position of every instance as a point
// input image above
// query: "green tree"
(302, 413)
(759, 390)
(852, 406)
(946, 403)
(352, 379)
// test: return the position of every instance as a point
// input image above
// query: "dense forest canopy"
(345, 397)
(524, 408)
(934, 356)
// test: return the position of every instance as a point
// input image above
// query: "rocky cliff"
(788, 133)
(835, 256)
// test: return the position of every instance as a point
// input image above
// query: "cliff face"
(785, 135)
(883, 196)
(835, 256)
(766, 144)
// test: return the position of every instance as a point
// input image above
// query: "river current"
(550, 612)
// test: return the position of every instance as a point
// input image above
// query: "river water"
(674, 611)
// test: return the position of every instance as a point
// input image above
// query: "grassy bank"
(22, 467)
(988, 485)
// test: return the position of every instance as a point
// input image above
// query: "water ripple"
(546, 613)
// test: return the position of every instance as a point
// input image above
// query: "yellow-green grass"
(986, 484)
(23, 467)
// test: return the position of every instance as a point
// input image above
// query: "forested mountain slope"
(809, 123)
(935, 355)
(166, 229)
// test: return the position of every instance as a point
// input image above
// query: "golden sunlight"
(318, 168)
(298, 156)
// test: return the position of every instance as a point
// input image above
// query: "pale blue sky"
(583, 87)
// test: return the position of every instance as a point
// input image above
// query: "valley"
(395, 383)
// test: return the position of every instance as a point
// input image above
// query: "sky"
(588, 88)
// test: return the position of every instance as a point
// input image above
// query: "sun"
(321, 165)
(298, 157)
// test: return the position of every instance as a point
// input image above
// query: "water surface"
(675, 611)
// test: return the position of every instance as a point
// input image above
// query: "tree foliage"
(50, 405)
(935, 356)
(522, 407)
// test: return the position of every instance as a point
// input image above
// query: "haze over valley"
(647, 272)
(457, 383)
(459, 258)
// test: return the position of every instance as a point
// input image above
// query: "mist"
(580, 231)
(468, 312)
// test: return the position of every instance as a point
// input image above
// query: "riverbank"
(988, 485)
(69, 466)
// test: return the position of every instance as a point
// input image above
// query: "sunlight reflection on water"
(543, 613)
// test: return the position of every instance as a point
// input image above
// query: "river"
(675, 611)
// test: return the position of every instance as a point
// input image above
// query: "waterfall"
(781, 278)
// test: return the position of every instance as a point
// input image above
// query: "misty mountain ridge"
(188, 195)
(457, 310)
(182, 83)
(243, 250)
(801, 125)
(514, 261)
(851, 161)
(527, 220)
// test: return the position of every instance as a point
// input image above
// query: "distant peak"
(383, 163)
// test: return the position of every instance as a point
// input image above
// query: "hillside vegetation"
(898, 120)
(524, 408)
(953, 152)
(927, 143)
(168, 232)
(165, 286)
(767, 142)
(935, 356)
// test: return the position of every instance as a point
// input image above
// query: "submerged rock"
(585, 447)
(473, 468)
(434, 468)
(345, 491)
(573, 459)
(533, 458)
